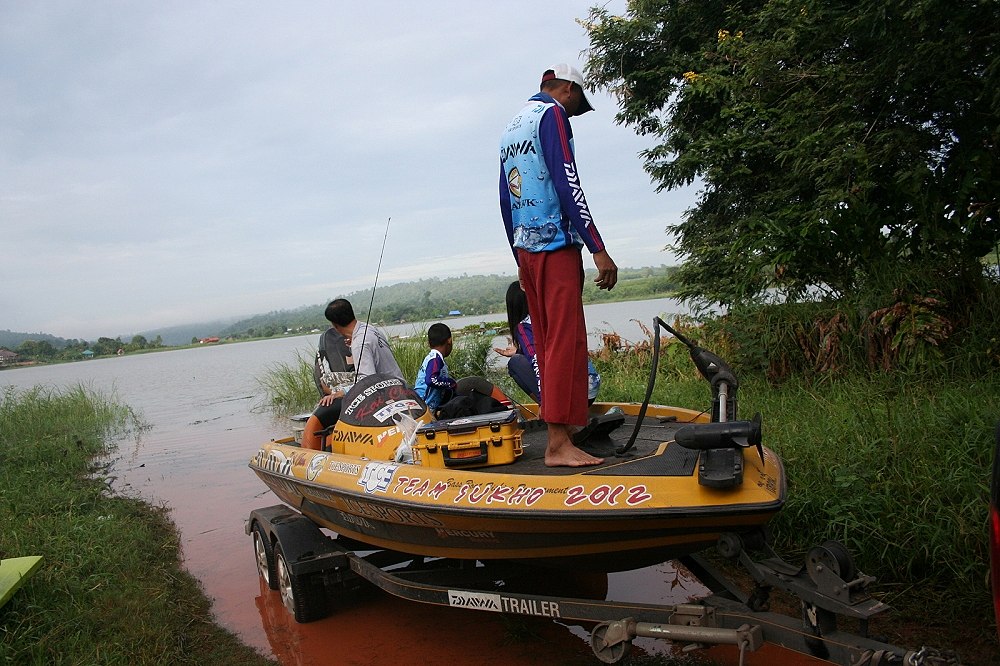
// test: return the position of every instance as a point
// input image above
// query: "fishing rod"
(371, 303)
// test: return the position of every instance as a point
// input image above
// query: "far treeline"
(434, 298)
(409, 301)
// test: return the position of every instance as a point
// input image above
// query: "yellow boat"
(447, 512)
(477, 488)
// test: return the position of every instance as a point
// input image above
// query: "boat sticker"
(342, 467)
(478, 600)
(352, 437)
(416, 486)
(273, 461)
(358, 521)
(500, 603)
(391, 515)
(637, 495)
(386, 433)
(315, 466)
(605, 495)
(768, 483)
(490, 493)
(396, 407)
(279, 485)
(377, 476)
(473, 535)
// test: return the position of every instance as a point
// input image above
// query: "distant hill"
(11, 339)
(181, 335)
(434, 298)
(406, 301)
(421, 300)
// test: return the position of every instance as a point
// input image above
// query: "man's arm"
(554, 135)
(554, 131)
(363, 351)
(505, 212)
(434, 377)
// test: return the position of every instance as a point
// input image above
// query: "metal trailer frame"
(309, 564)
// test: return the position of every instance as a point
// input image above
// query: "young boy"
(433, 383)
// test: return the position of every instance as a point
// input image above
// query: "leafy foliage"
(835, 140)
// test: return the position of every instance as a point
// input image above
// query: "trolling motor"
(719, 466)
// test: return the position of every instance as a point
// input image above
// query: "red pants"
(553, 283)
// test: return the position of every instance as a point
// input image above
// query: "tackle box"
(469, 441)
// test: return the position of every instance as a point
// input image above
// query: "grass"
(112, 589)
(289, 388)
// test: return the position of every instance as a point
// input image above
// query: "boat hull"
(623, 515)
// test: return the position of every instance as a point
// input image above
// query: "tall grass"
(111, 589)
(289, 388)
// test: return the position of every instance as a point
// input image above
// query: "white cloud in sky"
(168, 163)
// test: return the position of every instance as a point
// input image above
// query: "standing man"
(548, 222)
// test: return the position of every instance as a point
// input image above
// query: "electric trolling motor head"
(730, 435)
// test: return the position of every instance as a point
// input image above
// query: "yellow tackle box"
(469, 441)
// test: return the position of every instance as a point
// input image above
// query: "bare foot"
(561, 452)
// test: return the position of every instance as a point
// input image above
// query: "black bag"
(470, 404)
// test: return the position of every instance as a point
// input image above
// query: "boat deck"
(639, 460)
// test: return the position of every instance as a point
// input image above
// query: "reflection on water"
(205, 424)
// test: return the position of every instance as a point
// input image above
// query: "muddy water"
(205, 424)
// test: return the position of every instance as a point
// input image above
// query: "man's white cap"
(564, 72)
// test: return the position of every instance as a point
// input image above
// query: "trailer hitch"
(691, 623)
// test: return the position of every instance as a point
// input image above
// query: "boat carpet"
(638, 461)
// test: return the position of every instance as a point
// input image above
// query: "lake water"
(203, 408)
(623, 318)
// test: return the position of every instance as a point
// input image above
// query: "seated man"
(370, 352)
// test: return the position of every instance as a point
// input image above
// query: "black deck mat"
(639, 460)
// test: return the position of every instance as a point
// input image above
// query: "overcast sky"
(165, 163)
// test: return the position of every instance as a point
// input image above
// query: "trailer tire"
(263, 551)
(304, 596)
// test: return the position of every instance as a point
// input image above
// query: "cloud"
(163, 163)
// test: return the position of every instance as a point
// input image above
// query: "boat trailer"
(306, 565)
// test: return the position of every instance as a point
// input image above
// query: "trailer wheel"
(304, 595)
(609, 653)
(264, 554)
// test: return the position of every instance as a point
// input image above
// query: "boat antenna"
(371, 303)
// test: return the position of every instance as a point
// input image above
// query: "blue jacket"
(433, 383)
(541, 199)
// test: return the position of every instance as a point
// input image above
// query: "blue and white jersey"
(433, 383)
(541, 200)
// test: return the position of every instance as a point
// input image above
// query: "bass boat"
(477, 488)
(447, 512)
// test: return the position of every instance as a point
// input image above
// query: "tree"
(836, 141)
(137, 342)
(38, 350)
(106, 346)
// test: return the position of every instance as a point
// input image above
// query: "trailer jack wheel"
(612, 641)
